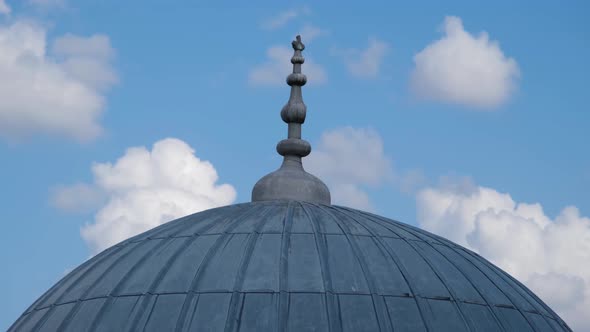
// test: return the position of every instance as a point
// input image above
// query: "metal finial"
(291, 181)
(297, 44)
(293, 113)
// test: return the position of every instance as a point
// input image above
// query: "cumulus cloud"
(278, 66)
(144, 189)
(349, 159)
(282, 18)
(4, 7)
(367, 63)
(461, 68)
(59, 91)
(550, 255)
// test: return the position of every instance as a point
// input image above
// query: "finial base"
(291, 182)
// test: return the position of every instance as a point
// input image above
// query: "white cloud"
(351, 153)
(144, 189)
(283, 18)
(366, 63)
(411, 181)
(78, 197)
(464, 69)
(351, 194)
(550, 255)
(61, 93)
(348, 159)
(278, 66)
(565, 292)
(4, 7)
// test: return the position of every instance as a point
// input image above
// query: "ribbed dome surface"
(288, 266)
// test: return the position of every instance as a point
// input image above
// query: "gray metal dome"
(288, 266)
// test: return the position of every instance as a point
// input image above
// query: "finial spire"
(291, 181)
(293, 113)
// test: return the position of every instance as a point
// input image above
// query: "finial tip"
(297, 44)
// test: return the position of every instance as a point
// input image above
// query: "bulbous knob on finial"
(294, 111)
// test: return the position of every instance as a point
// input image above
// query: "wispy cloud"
(283, 18)
(4, 7)
(47, 3)
(274, 71)
(310, 32)
(78, 197)
(353, 161)
(349, 159)
(366, 63)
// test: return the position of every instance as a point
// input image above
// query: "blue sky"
(156, 70)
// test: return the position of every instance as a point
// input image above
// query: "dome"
(288, 266)
(288, 261)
